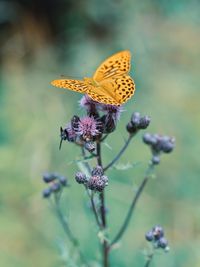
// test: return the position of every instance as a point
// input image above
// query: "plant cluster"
(89, 132)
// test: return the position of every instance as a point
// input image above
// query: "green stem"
(68, 231)
(119, 154)
(150, 257)
(105, 246)
(131, 209)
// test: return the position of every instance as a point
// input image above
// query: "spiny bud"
(46, 192)
(149, 139)
(137, 123)
(158, 232)
(144, 122)
(63, 180)
(149, 236)
(81, 178)
(162, 243)
(55, 187)
(97, 183)
(98, 170)
(49, 177)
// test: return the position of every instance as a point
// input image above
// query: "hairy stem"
(119, 154)
(105, 246)
(131, 209)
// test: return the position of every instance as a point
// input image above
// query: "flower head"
(90, 105)
(88, 128)
(112, 110)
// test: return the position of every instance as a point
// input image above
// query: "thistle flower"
(90, 105)
(88, 128)
(112, 110)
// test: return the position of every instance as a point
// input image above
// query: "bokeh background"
(42, 40)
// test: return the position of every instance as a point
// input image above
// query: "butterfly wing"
(114, 91)
(74, 85)
(116, 65)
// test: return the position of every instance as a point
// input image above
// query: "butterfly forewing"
(110, 83)
(116, 65)
(74, 85)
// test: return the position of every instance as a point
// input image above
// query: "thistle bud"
(46, 192)
(81, 178)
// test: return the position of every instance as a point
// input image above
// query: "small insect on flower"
(110, 84)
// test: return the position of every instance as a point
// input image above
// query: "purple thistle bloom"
(90, 105)
(88, 128)
(112, 110)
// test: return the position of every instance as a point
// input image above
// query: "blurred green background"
(42, 40)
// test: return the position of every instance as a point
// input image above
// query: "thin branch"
(120, 153)
(103, 138)
(105, 245)
(68, 231)
(91, 196)
(131, 209)
(86, 163)
(150, 257)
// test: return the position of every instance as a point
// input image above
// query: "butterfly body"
(110, 84)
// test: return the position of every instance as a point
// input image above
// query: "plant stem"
(68, 231)
(131, 209)
(150, 257)
(91, 195)
(120, 153)
(95, 211)
(105, 246)
(86, 163)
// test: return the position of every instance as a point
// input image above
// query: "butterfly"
(110, 84)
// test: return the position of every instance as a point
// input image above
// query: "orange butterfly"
(110, 84)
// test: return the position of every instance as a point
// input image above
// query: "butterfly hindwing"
(74, 85)
(114, 91)
(116, 65)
